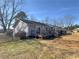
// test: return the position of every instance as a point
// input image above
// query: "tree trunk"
(4, 28)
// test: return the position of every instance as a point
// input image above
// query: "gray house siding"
(21, 27)
(33, 28)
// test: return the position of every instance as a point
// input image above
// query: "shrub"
(9, 32)
(21, 34)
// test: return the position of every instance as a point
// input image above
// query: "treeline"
(72, 27)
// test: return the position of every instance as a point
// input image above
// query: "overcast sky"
(52, 8)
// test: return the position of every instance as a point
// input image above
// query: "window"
(38, 30)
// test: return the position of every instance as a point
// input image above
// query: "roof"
(32, 22)
(29, 21)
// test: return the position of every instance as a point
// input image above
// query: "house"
(1, 31)
(59, 30)
(28, 28)
(31, 28)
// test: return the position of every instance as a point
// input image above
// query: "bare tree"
(8, 10)
(55, 22)
(61, 22)
(20, 16)
(46, 20)
(32, 18)
(69, 20)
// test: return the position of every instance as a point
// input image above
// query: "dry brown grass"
(20, 50)
(67, 41)
(66, 47)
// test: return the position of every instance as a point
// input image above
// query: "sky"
(52, 8)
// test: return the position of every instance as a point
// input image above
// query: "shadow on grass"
(46, 38)
(51, 38)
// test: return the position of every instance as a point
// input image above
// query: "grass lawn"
(38, 49)
(20, 50)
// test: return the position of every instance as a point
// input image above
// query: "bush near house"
(9, 33)
(21, 35)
